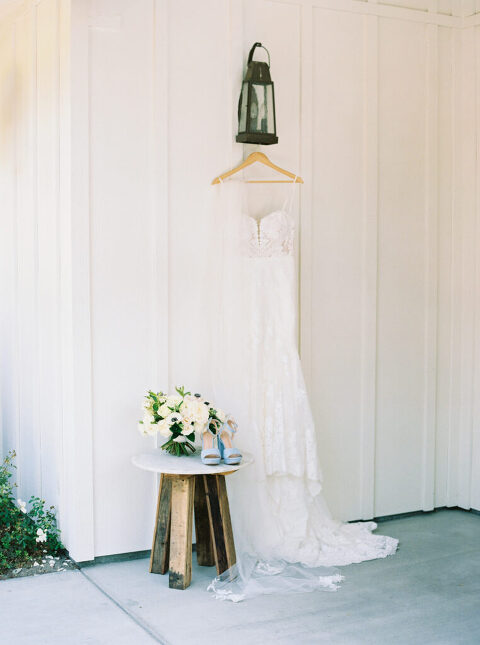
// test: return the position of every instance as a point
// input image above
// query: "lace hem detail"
(251, 577)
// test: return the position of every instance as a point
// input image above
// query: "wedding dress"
(285, 536)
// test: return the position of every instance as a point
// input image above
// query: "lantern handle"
(250, 55)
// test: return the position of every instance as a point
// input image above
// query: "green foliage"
(25, 536)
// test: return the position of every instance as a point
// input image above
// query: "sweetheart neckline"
(259, 220)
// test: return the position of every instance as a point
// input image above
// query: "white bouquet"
(178, 417)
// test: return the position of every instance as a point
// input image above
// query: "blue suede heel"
(210, 456)
(231, 456)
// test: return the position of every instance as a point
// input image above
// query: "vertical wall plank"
(369, 269)
(159, 186)
(48, 248)
(431, 259)
(455, 280)
(337, 259)
(306, 196)
(444, 267)
(124, 276)
(401, 285)
(467, 269)
(28, 440)
(65, 255)
(159, 179)
(9, 109)
(475, 474)
(78, 426)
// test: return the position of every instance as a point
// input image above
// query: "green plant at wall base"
(25, 535)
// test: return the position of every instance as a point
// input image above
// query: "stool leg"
(181, 531)
(205, 555)
(220, 522)
(161, 532)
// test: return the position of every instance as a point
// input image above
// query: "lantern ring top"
(250, 55)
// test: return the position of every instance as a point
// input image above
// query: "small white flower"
(220, 414)
(41, 536)
(35, 564)
(52, 563)
(22, 505)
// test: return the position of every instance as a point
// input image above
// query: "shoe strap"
(230, 426)
(216, 424)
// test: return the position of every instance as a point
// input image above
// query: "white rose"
(164, 410)
(150, 429)
(164, 428)
(195, 410)
(200, 428)
(173, 400)
(148, 418)
(187, 428)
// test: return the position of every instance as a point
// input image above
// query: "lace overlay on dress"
(269, 236)
(286, 538)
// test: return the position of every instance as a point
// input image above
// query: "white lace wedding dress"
(285, 536)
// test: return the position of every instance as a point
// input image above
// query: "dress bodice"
(270, 236)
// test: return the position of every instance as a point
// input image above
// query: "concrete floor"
(429, 592)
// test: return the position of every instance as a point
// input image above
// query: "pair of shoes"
(212, 454)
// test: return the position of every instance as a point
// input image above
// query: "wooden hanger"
(261, 158)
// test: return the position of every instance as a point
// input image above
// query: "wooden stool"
(187, 484)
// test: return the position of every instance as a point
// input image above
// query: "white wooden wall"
(377, 105)
(34, 99)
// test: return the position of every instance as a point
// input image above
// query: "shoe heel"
(230, 428)
(210, 456)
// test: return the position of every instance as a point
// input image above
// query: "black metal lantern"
(256, 106)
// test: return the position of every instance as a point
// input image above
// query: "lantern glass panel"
(270, 116)
(257, 108)
(242, 126)
(261, 109)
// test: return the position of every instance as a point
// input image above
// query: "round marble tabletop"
(159, 461)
